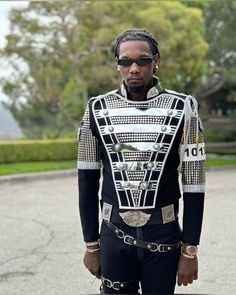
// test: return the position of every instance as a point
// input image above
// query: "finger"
(190, 281)
(185, 283)
(179, 280)
(98, 274)
(95, 271)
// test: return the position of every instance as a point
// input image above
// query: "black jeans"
(152, 272)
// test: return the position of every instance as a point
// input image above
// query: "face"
(137, 77)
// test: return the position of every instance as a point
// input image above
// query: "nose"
(134, 68)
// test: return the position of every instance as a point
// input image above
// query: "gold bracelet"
(92, 250)
(92, 243)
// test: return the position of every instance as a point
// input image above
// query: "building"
(9, 128)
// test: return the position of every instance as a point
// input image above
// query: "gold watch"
(189, 251)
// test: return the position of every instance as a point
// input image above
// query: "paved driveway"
(41, 246)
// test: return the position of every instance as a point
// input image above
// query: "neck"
(139, 95)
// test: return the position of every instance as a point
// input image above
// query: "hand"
(187, 270)
(92, 263)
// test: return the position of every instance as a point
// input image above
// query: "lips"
(134, 79)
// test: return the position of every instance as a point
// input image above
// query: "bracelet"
(92, 250)
(92, 243)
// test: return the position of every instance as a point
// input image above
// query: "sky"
(5, 7)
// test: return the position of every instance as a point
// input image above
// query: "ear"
(156, 63)
(157, 60)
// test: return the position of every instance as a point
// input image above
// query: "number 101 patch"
(194, 152)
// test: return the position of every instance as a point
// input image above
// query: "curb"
(222, 168)
(52, 174)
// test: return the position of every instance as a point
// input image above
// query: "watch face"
(191, 250)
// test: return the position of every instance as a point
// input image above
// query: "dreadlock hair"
(135, 34)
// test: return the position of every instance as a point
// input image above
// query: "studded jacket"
(142, 149)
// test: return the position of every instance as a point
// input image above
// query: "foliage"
(220, 79)
(60, 55)
(176, 26)
(196, 3)
(220, 136)
(37, 150)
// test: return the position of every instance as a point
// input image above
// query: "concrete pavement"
(41, 246)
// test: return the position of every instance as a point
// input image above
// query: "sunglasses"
(127, 62)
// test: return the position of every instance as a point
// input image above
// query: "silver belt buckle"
(135, 218)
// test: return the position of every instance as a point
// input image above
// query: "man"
(143, 135)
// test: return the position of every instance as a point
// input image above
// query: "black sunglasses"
(127, 62)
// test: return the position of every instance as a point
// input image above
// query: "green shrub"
(220, 136)
(37, 150)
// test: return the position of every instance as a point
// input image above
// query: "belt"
(137, 218)
(129, 240)
(115, 284)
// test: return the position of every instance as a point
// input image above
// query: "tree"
(180, 32)
(219, 83)
(61, 54)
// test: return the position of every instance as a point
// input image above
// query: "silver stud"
(134, 242)
(149, 246)
(150, 165)
(168, 248)
(163, 128)
(169, 112)
(123, 166)
(156, 146)
(105, 112)
(144, 185)
(122, 285)
(111, 129)
(117, 231)
(117, 147)
(126, 185)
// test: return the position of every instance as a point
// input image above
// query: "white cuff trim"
(88, 165)
(198, 188)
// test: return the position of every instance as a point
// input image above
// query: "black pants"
(154, 272)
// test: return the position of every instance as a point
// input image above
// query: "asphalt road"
(41, 246)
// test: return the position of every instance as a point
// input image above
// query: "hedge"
(37, 150)
(221, 148)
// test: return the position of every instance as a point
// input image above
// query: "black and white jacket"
(142, 148)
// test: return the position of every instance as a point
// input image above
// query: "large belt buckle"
(135, 218)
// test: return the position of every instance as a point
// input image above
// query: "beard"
(136, 88)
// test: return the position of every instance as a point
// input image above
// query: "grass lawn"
(22, 167)
(213, 162)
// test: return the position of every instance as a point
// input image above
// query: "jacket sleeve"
(89, 156)
(193, 173)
